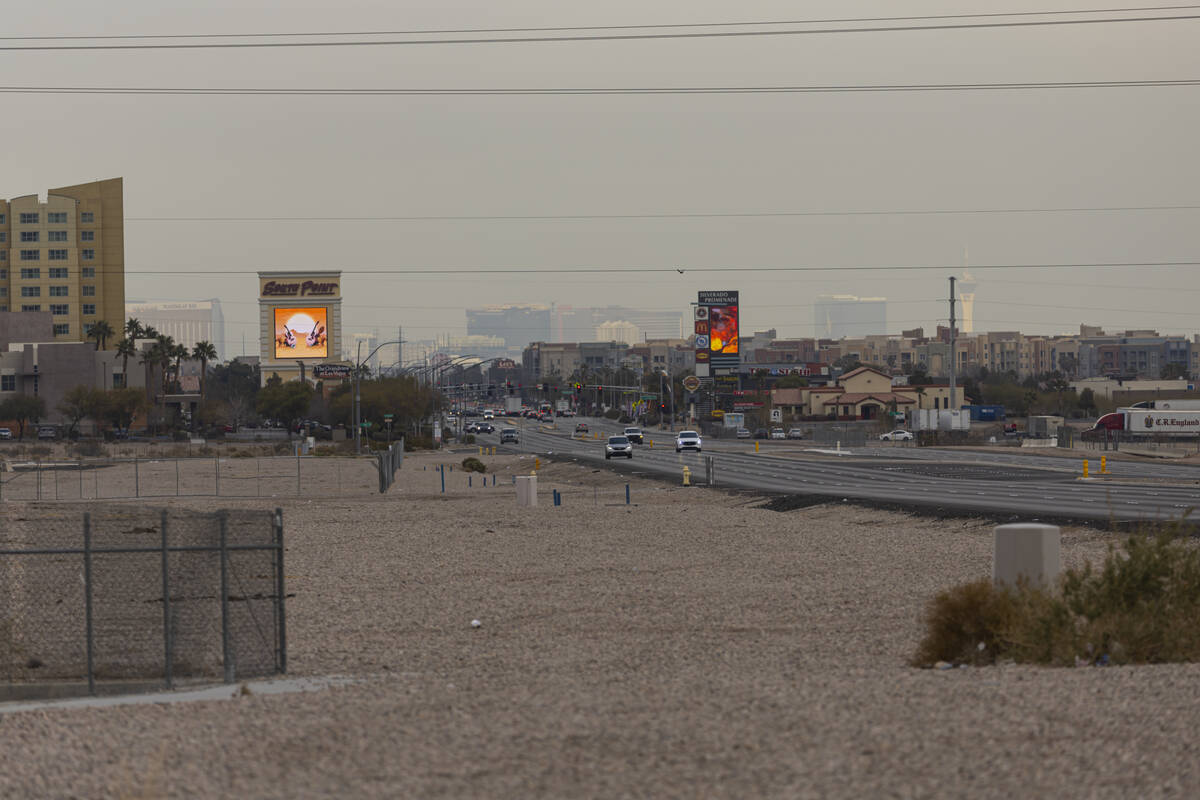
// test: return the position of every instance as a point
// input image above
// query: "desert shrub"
(88, 448)
(472, 464)
(468, 438)
(1140, 606)
(612, 413)
(39, 450)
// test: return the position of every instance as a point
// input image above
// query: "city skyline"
(812, 186)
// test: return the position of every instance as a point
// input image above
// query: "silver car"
(618, 446)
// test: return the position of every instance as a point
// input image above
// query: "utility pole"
(953, 354)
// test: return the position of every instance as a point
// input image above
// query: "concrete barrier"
(527, 491)
(1031, 550)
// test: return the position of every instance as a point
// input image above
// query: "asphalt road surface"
(1025, 486)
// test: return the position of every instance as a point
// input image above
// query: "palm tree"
(178, 352)
(133, 328)
(204, 352)
(150, 356)
(125, 349)
(101, 331)
(149, 332)
(164, 347)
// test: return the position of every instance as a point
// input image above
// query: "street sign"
(388, 416)
(649, 397)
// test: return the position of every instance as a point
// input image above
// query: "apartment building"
(66, 255)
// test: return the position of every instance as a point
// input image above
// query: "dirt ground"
(687, 644)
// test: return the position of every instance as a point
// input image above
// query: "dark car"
(635, 435)
(760, 433)
(485, 427)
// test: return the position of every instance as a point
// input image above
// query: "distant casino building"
(186, 323)
(844, 315)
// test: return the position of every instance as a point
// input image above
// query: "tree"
(791, 382)
(80, 402)
(204, 352)
(286, 402)
(101, 331)
(133, 328)
(1087, 401)
(23, 408)
(120, 406)
(178, 352)
(126, 349)
(1174, 370)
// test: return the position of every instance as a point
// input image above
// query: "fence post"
(137, 490)
(279, 592)
(168, 649)
(177, 474)
(298, 448)
(81, 479)
(87, 602)
(217, 471)
(226, 655)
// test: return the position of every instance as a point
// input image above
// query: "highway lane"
(1029, 487)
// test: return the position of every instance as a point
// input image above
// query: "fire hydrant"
(687, 477)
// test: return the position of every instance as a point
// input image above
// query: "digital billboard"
(716, 329)
(301, 333)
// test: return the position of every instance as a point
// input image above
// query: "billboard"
(301, 333)
(716, 328)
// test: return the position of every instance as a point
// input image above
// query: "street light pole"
(358, 393)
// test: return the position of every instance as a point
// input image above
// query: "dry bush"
(472, 464)
(1141, 606)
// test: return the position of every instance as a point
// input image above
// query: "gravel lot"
(687, 645)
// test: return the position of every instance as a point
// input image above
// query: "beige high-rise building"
(66, 255)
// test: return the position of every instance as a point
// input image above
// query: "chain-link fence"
(129, 478)
(390, 460)
(120, 596)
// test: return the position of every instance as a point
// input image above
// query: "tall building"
(66, 255)
(844, 315)
(186, 323)
(517, 324)
(966, 291)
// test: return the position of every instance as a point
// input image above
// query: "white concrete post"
(1029, 549)
(527, 491)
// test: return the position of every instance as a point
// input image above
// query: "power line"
(660, 26)
(676, 215)
(729, 270)
(589, 91)
(600, 37)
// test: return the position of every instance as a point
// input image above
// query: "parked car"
(618, 446)
(47, 432)
(5, 433)
(687, 440)
(898, 435)
(760, 433)
(743, 433)
(581, 428)
(509, 435)
(777, 433)
(635, 435)
(795, 433)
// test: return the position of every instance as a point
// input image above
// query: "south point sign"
(300, 289)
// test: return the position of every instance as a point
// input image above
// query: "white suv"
(687, 440)
(618, 446)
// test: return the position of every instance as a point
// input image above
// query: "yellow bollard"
(481, 450)
(493, 451)
(756, 447)
(1085, 468)
(687, 477)
(1103, 465)
(651, 444)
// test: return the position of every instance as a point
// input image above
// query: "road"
(1025, 486)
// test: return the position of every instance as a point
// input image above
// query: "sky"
(802, 159)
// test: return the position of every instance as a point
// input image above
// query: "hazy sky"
(340, 156)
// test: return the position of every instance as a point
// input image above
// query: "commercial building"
(66, 255)
(186, 323)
